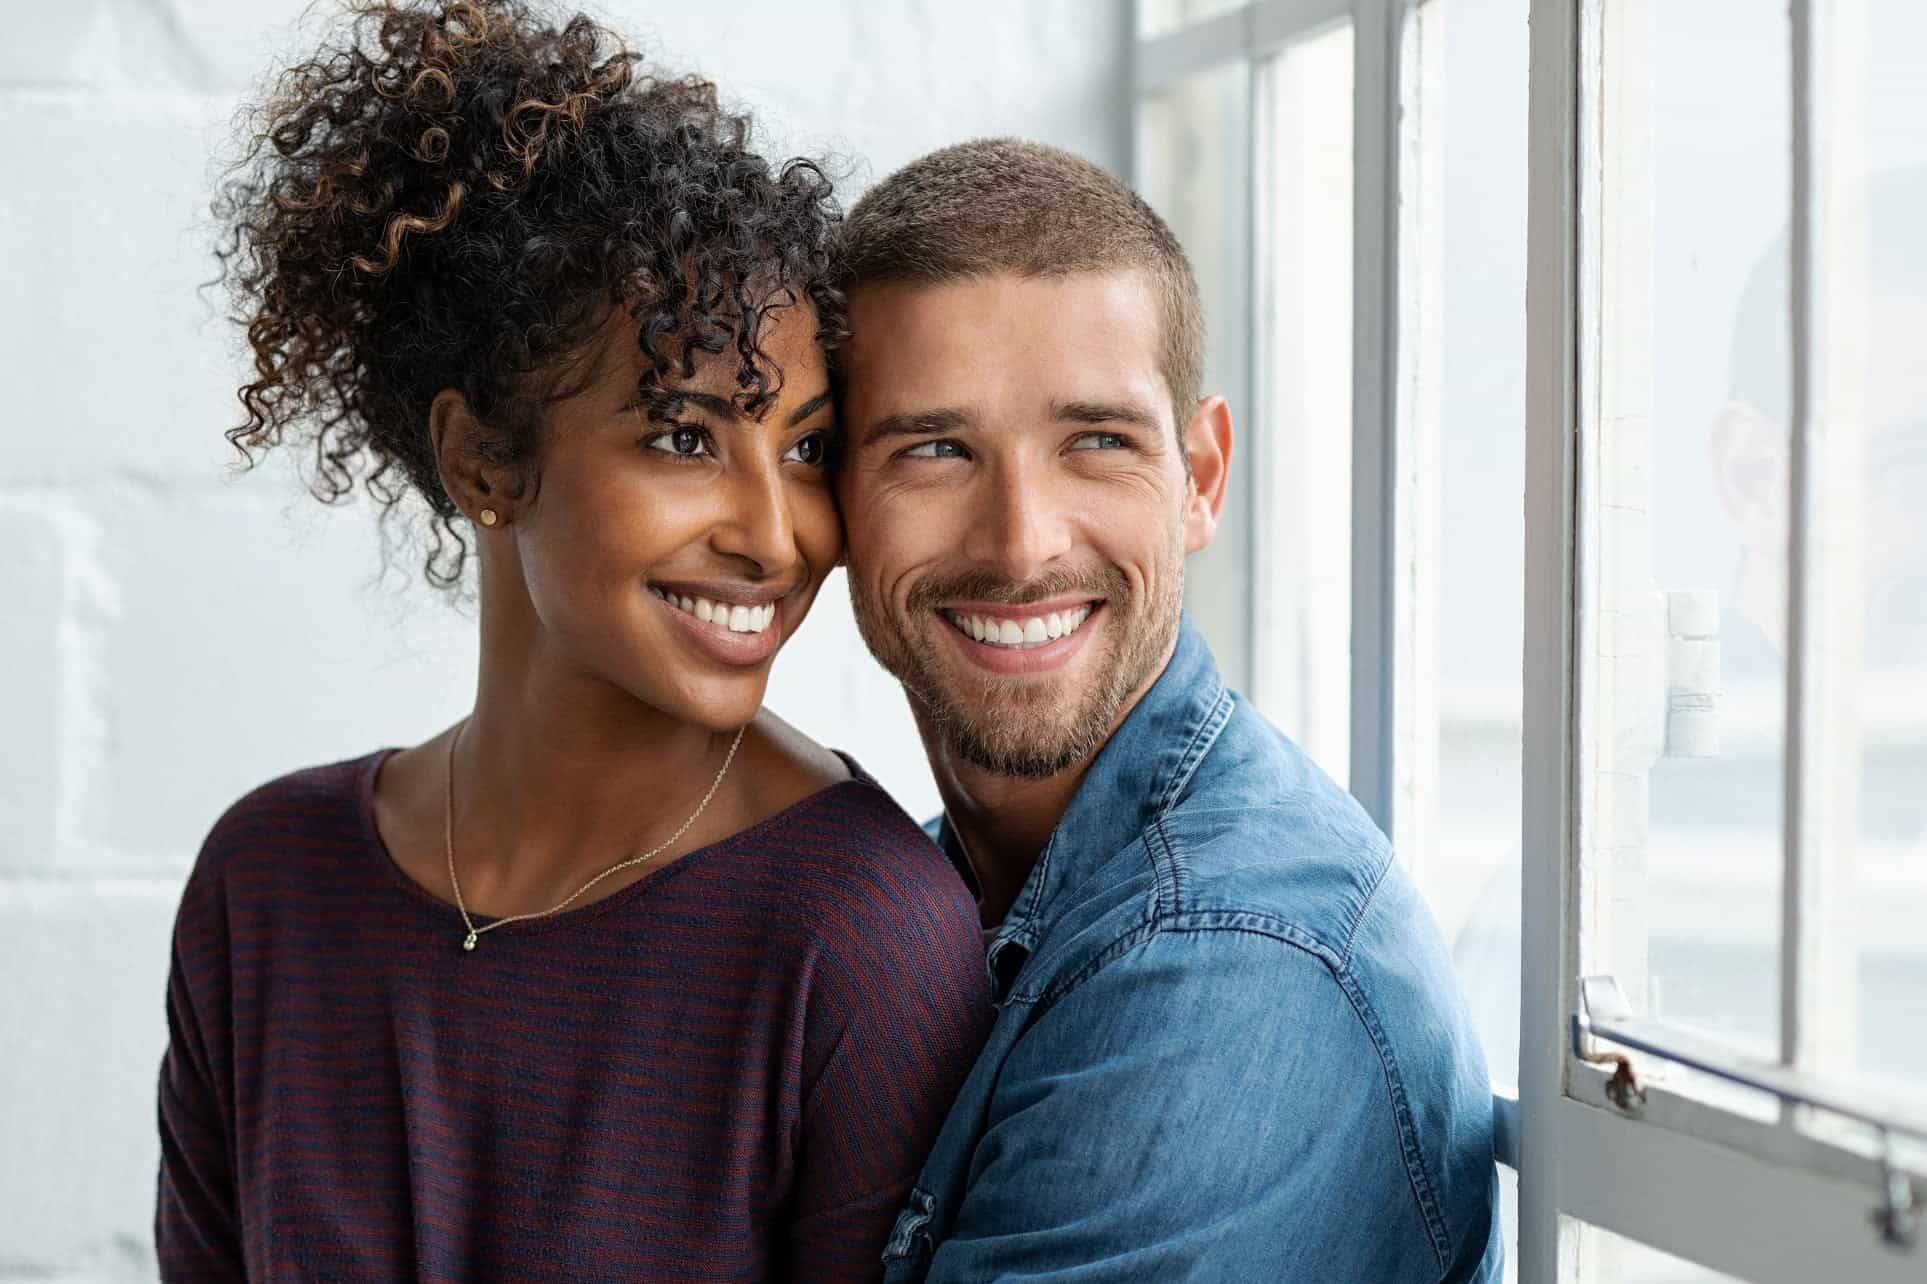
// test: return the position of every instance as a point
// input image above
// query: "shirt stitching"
(1424, 1192)
(1203, 737)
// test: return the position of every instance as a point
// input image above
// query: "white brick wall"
(173, 635)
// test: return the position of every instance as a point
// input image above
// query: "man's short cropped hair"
(1003, 205)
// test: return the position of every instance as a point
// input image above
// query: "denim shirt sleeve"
(1256, 1137)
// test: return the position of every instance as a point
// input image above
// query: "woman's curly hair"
(456, 195)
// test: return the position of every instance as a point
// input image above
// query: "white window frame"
(1392, 616)
(1763, 1201)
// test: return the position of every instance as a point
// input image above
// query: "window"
(1317, 157)
(1629, 574)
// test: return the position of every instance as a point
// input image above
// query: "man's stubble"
(1013, 725)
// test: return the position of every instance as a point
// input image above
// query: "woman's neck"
(559, 774)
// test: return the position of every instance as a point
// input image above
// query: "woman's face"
(672, 560)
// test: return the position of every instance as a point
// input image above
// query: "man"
(1228, 1043)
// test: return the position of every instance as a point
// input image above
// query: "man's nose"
(757, 525)
(1024, 525)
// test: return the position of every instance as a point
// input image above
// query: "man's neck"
(1001, 822)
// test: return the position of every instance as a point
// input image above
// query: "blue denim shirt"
(1229, 1042)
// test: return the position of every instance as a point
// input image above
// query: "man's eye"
(1098, 441)
(811, 449)
(684, 443)
(940, 449)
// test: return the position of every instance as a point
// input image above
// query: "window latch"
(1604, 1017)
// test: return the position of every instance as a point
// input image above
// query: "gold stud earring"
(488, 517)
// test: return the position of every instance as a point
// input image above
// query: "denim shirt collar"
(1136, 777)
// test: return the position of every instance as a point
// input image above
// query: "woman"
(619, 977)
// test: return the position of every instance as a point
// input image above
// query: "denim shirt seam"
(1424, 1191)
(1167, 896)
(1025, 925)
(1118, 946)
(1168, 873)
(1365, 903)
(1203, 737)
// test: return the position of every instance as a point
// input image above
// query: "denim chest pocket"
(906, 1255)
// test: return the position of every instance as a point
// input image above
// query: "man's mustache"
(987, 586)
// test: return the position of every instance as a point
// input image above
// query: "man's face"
(1017, 507)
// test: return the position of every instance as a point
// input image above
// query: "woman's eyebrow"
(809, 408)
(725, 408)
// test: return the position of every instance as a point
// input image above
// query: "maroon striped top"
(730, 1070)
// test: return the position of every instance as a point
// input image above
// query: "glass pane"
(1686, 694)
(1879, 425)
(1300, 443)
(1613, 1259)
(1471, 875)
(1159, 17)
(1194, 170)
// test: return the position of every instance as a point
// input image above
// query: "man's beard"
(1022, 726)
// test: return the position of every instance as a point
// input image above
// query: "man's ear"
(1207, 448)
(479, 489)
(1748, 453)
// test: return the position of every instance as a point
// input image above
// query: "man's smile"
(1031, 638)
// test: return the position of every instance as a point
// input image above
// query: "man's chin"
(1017, 727)
(1028, 757)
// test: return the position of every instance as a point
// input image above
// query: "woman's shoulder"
(313, 807)
(854, 832)
(816, 793)
(876, 898)
(851, 858)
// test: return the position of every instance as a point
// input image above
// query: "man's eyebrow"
(917, 423)
(1103, 412)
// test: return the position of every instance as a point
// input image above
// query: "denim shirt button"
(908, 1236)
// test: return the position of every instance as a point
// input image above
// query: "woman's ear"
(479, 489)
(1207, 451)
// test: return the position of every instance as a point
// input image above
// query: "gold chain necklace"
(448, 843)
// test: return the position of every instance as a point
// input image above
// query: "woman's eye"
(1098, 441)
(685, 443)
(812, 449)
(940, 449)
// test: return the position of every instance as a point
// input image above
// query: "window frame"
(1766, 1201)
(1763, 1201)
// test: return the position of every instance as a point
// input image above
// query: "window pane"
(1471, 876)
(1613, 1259)
(1300, 442)
(1686, 700)
(1158, 17)
(1879, 424)
(1194, 170)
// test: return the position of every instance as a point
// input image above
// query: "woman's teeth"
(737, 619)
(1035, 631)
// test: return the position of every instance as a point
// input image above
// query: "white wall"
(173, 635)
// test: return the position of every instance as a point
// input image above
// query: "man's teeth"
(737, 619)
(1035, 631)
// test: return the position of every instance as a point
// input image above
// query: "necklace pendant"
(469, 944)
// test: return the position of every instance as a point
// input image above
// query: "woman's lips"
(742, 633)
